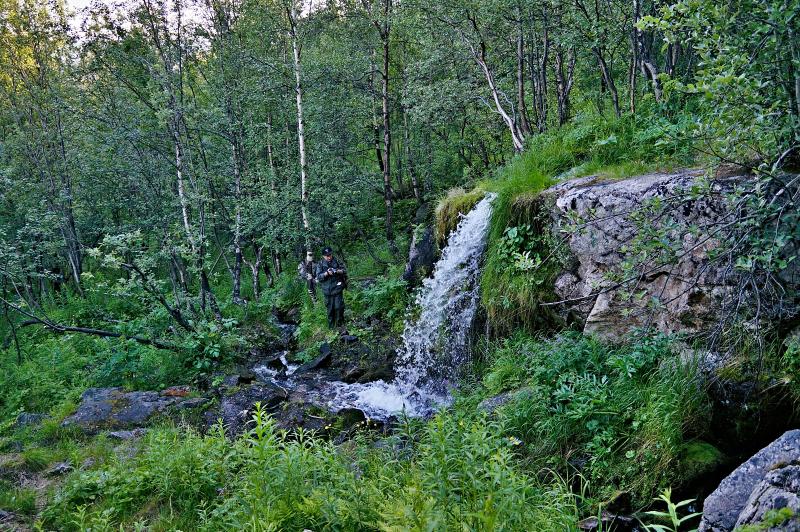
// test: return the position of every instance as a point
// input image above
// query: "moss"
(699, 458)
(450, 209)
(519, 275)
(772, 519)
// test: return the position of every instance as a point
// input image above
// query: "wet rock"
(239, 379)
(274, 361)
(114, 408)
(352, 374)
(287, 316)
(778, 491)
(690, 290)
(722, 509)
(608, 521)
(363, 361)
(60, 469)
(422, 251)
(323, 360)
(236, 409)
(299, 413)
(351, 417)
(26, 419)
(349, 339)
(124, 435)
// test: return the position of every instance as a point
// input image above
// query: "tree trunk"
(539, 77)
(632, 77)
(479, 54)
(564, 83)
(301, 138)
(524, 123)
(643, 53)
(410, 163)
(607, 78)
(385, 30)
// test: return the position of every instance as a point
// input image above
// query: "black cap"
(327, 251)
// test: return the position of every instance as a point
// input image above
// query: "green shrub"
(386, 298)
(624, 412)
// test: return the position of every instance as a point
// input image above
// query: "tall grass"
(459, 475)
(623, 415)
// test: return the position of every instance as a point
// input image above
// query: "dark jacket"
(333, 284)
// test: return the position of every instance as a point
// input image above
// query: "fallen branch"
(97, 332)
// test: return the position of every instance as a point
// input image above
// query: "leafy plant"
(671, 514)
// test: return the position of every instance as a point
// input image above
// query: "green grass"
(620, 417)
(460, 474)
(626, 413)
(17, 500)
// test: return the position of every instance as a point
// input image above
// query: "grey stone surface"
(26, 419)
(688, 290)
(421, 256)
(124, 435)
(236, 409)
(60, 469)
(114, 408)
(323, 360)
(779, 489)
(491, 404)
(722, 509)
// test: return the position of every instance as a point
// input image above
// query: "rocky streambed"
(321, 394)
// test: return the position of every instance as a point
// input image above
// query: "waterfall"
(436, 343)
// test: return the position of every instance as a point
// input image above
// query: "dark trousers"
(335, 306)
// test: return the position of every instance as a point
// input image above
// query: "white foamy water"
(436, 345)
(266, 373)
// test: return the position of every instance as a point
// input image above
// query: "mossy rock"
(699, 458)
(450, 209)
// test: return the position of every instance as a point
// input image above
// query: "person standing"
(306, 272)
(331, 276)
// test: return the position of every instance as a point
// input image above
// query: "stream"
(436, 343)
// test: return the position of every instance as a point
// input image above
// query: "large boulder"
(608, 215)
(422, 251)
(775, 500)
(769, 481)
(236, 406)
(114, 408)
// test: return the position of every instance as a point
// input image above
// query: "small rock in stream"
(321, 361)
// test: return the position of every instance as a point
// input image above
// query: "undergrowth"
(459, 474)
(623, 416)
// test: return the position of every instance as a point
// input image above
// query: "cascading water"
(436, 344)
